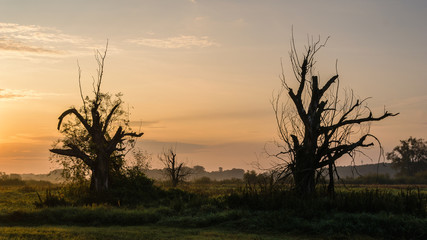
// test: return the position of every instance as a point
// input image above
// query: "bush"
(50, 200)
(77, 193)
(132, 188)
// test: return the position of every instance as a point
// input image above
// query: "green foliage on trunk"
(96, 138)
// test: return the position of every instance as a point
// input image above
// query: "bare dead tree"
(97, 138)
(176, 171)
(315, 126)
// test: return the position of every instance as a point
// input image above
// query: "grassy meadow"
(129, 232)
(218, 210)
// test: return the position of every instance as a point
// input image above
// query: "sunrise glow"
(200, 74)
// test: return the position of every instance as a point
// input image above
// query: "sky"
(199, 75)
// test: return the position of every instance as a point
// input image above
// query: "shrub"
(132, 188)
(50, 200)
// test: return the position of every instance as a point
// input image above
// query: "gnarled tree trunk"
(100, 174)
(317, 129)
(96, 120)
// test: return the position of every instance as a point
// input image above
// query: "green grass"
(204, 214)
(19, 198)
(134, 232)
(263, 223)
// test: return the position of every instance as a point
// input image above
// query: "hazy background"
(200, 74)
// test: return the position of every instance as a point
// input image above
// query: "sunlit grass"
(17, 198)
(134, 232)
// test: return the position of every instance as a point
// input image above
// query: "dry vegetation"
(206, 209)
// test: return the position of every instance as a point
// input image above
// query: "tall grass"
(419, 178)
(409, 201)
(375, 212)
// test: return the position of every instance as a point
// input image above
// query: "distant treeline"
(381, 173)
(17, 180)
(156, 174)
(198, 172)
(366, 169)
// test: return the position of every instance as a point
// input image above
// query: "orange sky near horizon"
(200, 74)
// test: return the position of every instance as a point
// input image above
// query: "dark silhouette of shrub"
(50, 200)
(133, 187)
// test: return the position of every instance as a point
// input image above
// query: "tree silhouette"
(176, 171)
(98, 135)
(315, 126)
(410, 156)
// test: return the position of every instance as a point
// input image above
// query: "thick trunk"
(99, 180)
(175, 182)
(305, 166)
(305, 182)
(304, 173)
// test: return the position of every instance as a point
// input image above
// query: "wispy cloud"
(11, 45)
(182, 41)
(37, 33)
(33, 39)
(27, 138)
(14, 94)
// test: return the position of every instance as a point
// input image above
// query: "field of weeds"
(220, 210)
